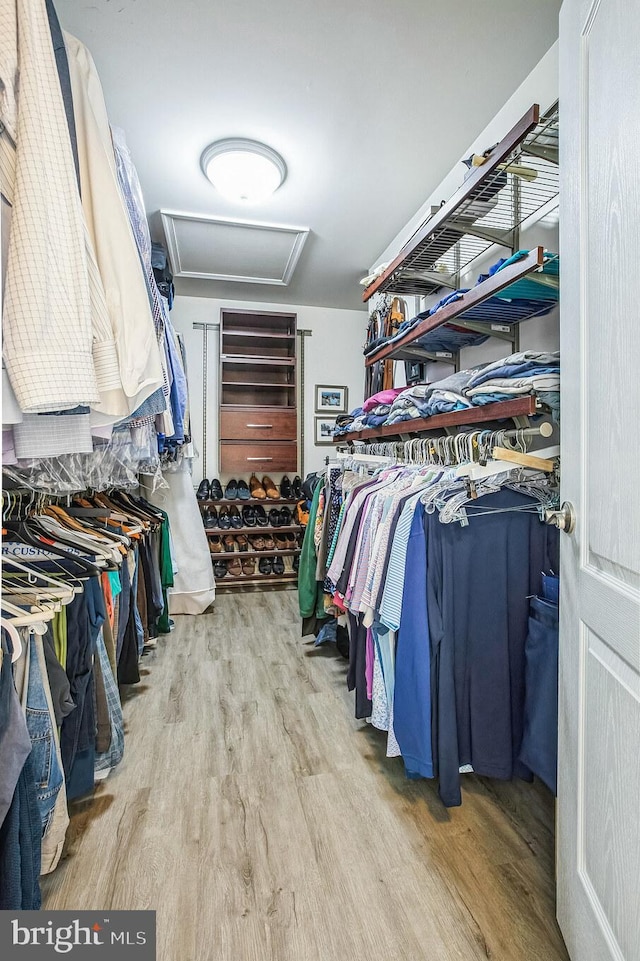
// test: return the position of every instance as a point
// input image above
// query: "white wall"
(541, 86)
(333, 355)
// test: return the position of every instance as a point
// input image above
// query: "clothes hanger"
(25, 535)
(33, 576)
(99, 553)
(16, 640)
(18, 616)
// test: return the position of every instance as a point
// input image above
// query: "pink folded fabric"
(382, 397)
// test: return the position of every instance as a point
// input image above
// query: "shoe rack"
(256, 580)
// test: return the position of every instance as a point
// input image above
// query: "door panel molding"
(610, 609)
(608, 839)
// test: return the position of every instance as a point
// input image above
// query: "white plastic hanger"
(15, 637)
(64, 592)
(22, 618)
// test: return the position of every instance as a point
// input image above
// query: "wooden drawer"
(258, 423)
(245, 459)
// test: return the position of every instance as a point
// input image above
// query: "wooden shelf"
(455, 311)
(258, 359)
(263, 335)
(242, 555)
(520, 407)
(249, 580)
(256, 383)
(252, 502)
(468, 222)
(234, 531)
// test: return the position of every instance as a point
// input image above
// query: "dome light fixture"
(243, 170)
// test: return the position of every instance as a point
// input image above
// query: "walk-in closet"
(320, 627)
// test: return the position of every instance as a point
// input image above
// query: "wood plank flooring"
(263, 823)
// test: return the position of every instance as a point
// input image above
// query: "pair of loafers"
(254, 516)
(209, 490)
(237, 489)
(281, 517)
(290, 488)
(261, 490)
(271, 565)
(226, 518)
(262, 543)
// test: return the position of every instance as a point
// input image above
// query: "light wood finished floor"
(262, 821)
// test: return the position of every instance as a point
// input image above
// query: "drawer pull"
(259, 458)
(261, 426)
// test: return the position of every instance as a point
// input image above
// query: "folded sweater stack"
(527, 372)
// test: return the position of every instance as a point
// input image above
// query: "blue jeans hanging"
(539, 750)
(44, 756)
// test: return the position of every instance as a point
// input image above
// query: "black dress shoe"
(204, 490)
(243, 490)
(285, 487)
(264, 565)
(249, 516)
(210, 519)
(261, 516)
(224, 521)
(296, 487)
(235, 517)
(286, 517)
(277, 565)
(220, 569)
(275, 518)
(216, 490)
(231, 490)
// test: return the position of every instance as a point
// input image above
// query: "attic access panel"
(220, 248)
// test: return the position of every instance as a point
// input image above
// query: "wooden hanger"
(524, 460)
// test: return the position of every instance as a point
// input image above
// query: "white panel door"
(599, 747)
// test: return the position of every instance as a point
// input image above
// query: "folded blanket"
(517, 385)
(375, 420)
(444, 401)
(518, 364)
(549, 397)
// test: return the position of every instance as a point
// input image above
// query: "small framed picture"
(324, 430)
(332, 400)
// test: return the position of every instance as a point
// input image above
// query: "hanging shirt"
(412, 695)
(139, 362)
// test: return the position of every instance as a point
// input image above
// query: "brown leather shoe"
(243, 543)
(257, 543)
(248, 565)
(256, 489)
(215, 545)
(272, 491)
(269, 544)
(281, 542)
(229, 542)
(234, 567)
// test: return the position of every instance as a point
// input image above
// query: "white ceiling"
(370, 102)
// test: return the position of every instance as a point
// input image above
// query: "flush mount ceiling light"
(243, 170)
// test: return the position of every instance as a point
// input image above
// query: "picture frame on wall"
(324, 427)
(331, 400)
